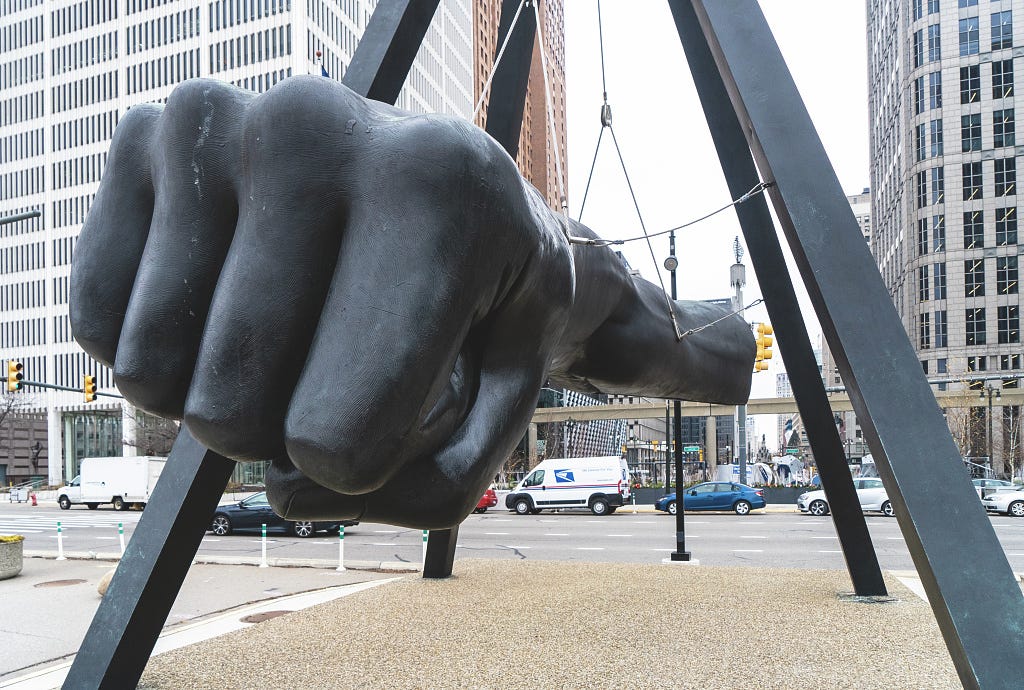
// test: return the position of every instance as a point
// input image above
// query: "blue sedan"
(715, 496)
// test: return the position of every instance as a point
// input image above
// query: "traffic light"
(89, 387)
(764, 345)
(14, 375)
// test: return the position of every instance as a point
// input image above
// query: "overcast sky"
(665, 141)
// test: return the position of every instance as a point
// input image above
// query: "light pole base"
(680, 559)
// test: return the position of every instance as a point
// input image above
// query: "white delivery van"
(118, 481)
(601, 484)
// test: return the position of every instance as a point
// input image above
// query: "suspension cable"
(497, 60)
(698, 329)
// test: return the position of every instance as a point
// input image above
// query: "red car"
(488, 500)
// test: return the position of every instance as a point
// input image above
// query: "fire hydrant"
(33, 499)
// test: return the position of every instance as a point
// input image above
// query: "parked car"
(984, 487)
(870, 492)
(488, 500)
(715, 496)
(1008, 502)
(250, 514)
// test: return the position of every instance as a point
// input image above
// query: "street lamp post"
(680, 554)
(987, 391)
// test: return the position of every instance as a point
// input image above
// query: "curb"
(323, 563)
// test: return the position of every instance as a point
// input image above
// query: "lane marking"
(385, 531)
(753, 536)
(513, 546)
(610, 535)
(830, 552)
(556, 534)
(496, 534)
(590, 548)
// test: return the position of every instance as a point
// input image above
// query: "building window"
(925, 332)
(919, 95)
(922, 284)
(922, 236)
(1008, 324)
(938, 185)
(968, 3)
(1006, 226)
(935, 40)
(941, 327)
(1002, 78)
(939, 233)
(922, 189)
(977, 364)
(1002, 30)
(939, 281)
(1006, 176)
(933, 6)
(918, 9)
(918, 48)
(972, 181)
(1002, 128)
(974, 230)
(970, 132)
(935, 90)
(970, 42)
(1006, 275)
(974, 278)
(970, 84)
(920, 142)
(1009, 362)
(975, 319)
(936, 134)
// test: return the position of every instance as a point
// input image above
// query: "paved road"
(760, 539)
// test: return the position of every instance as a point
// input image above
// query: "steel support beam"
(511, 77)
(440, 555)
(388, 47)
(133, 611)
(783, 308)
(972, 591)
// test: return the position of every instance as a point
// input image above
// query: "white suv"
(870, 492)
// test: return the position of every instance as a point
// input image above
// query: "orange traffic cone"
(33, 499)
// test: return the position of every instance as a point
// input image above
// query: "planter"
(11, 555)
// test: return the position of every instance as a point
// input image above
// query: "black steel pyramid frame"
(761, 131)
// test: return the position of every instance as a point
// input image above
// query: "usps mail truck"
(600, 484)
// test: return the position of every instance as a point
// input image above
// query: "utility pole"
(738, 279)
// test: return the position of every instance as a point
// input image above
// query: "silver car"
(1008, 502)
(870, 492)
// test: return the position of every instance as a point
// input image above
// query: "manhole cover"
(59, 583)
(265, 616)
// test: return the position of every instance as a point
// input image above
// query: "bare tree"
(153, 435)
(1012, 427)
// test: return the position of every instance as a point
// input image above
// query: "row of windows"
(930, 184)
(67, 212)
(73, 366)
(135, 6)
(928, 137)
(931, 280)
(28, 106)
(255, 47)
(24, 33)
(22, 71)
(162, 30)
(84, 130)
(76, 171)
(934, 229)
(262, 82)
(62, 329)
(94, 89)
(21, 227)
(22, 295)
(21, 183)
(935, 332)
(81, 16)
(224, 13)
(926, 93)
(320, 12)
(8, 7)
(21, 145)
(60, 290)
(22, 257)
(91, 51)
(163, 71)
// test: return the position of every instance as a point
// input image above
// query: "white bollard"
(341, 549)
(632, 497)
(263, 555)
(60, 543)
(120, 536)
(424, 548)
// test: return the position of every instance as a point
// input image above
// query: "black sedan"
(250, 514)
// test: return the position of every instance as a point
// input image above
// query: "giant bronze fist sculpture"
(369, 298)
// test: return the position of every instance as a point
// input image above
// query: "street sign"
(792, 451)
(691, 449)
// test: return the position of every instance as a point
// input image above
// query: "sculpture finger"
(195, 164)
(113, 237)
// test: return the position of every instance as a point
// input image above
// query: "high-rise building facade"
(69, 69)
(942, 109)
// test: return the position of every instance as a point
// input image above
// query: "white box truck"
(600, 484)
(121, 482)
